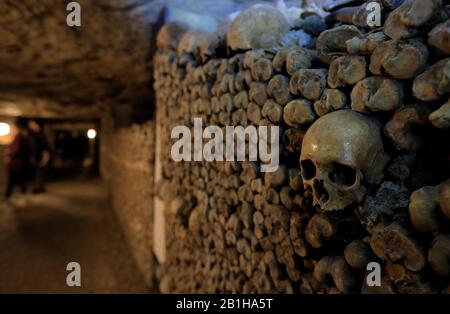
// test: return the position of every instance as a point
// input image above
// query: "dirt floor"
(72, 222)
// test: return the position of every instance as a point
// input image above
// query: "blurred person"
(17, 159)
(40, 155)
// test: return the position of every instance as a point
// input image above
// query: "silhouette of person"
(40, 155)
(17, 159)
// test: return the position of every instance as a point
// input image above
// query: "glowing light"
(5, 129)
(92, 134)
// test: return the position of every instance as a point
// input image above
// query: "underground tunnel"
(269, 147)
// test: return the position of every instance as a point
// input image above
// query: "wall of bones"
(364, 171)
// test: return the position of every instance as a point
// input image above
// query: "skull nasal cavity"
(342, 174)
(308, 169)
(320, 192)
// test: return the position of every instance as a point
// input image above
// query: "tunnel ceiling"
(32, 107)
(107, 58)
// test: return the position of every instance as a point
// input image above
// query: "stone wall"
(127, 158)
(232, 228)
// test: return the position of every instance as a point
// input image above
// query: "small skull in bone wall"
(341, 152)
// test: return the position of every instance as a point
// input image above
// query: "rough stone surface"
(127, 159)
(107, 58)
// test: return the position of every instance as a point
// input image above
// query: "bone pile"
(364, 169)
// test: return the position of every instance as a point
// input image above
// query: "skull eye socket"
(308, 169)
(342, 175)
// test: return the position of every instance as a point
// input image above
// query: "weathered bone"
(377, 94)
(397, 244)
(331, 100)
(412, 17)
(331, 43)
(346, 70)
(298, 112)
(399, 131)
(260, 26)
(399, 59)
(434, 82)
(439, 38)
(441, 117)
(278, 88)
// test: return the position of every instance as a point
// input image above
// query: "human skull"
(259, 26)
(340, 151)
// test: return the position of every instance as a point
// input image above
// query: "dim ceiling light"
(5, 129)
(91, 134)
